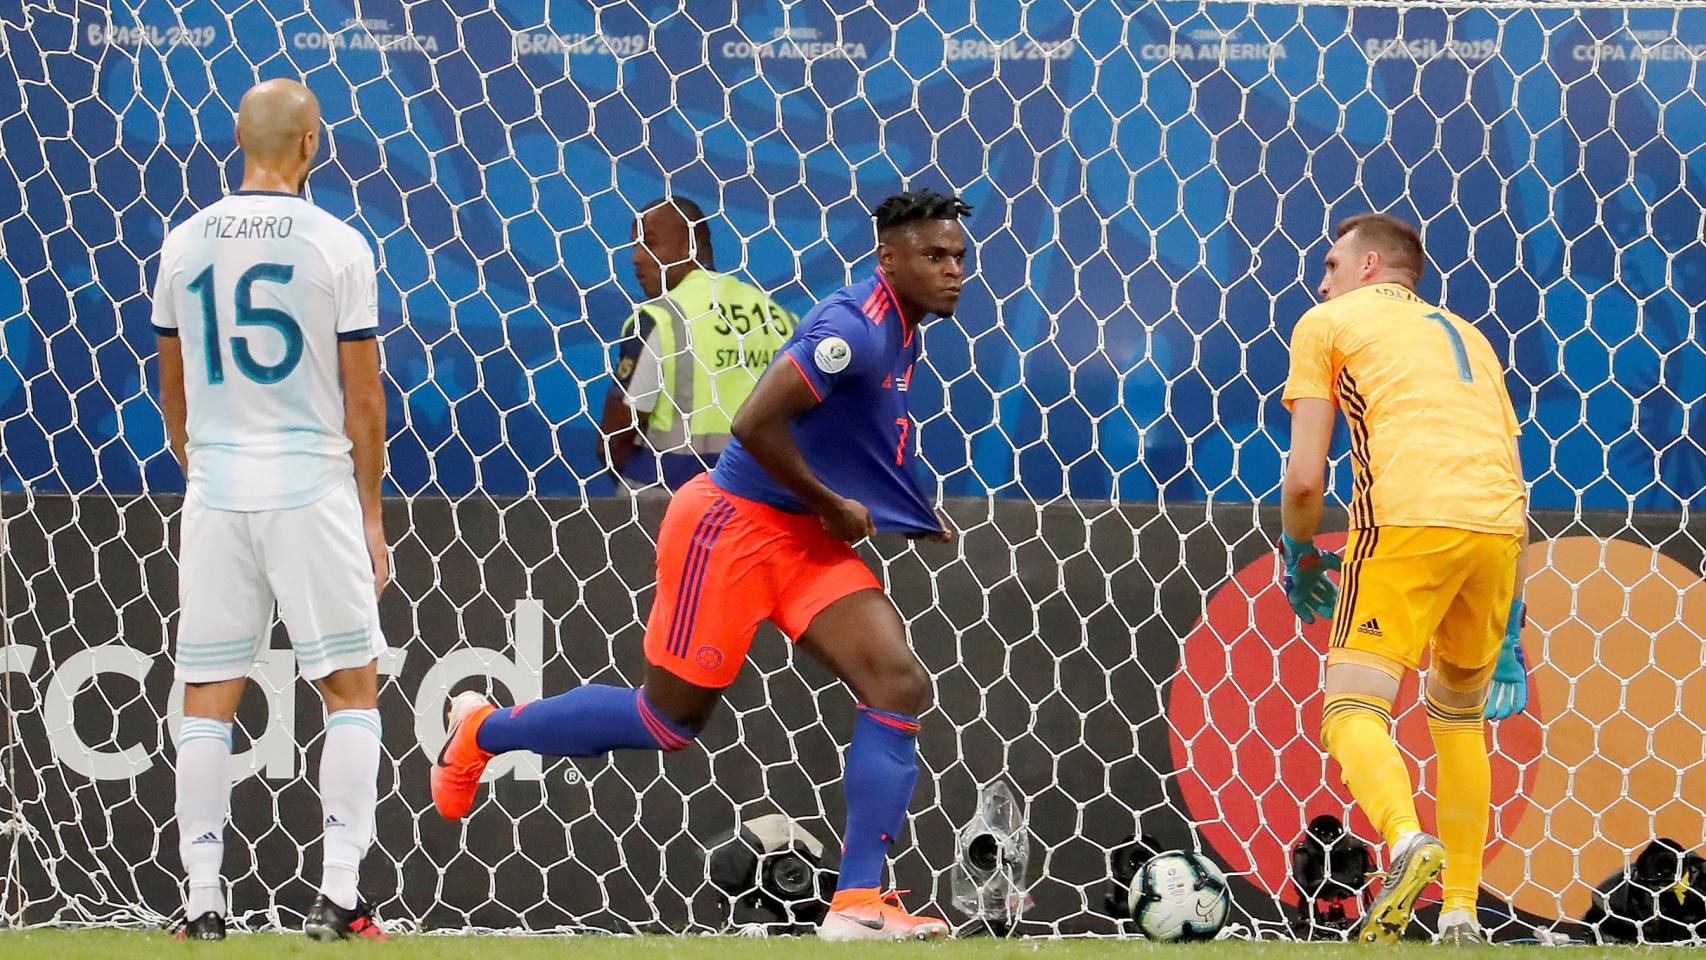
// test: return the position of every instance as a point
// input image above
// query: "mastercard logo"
(1608, 757)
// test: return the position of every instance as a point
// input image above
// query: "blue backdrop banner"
(1154, 183)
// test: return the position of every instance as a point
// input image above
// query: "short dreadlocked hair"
(914, 205)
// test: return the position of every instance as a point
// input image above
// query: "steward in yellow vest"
(689, 355)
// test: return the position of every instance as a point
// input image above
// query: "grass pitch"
(124, 944)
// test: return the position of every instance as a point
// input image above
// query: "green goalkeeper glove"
(1509, 694)
(1307, 588)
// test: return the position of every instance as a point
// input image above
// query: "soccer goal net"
(1154, 183)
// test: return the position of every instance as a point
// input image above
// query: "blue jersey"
(856, 353)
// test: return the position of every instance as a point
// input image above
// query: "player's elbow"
(1301, 491)
(744, 427)
(1301, 487)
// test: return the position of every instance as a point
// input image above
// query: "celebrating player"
(822, 457)
(267, 309)
(1437, 530)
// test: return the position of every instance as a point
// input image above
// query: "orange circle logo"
(1614, 648)
(1615, 654)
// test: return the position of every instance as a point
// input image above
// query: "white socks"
(1402, 845)
(349, 789)
(1449, 918)
(204, 805)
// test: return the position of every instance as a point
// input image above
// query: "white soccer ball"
(1179, 895)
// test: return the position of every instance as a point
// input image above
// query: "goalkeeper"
(1437, 530)
(822, 457)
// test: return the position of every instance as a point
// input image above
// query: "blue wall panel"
(1153, 184)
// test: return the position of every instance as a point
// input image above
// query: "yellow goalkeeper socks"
(1465, 798)
(1356, 730)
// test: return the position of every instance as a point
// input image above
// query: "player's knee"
(900, 686)
(922, 691)
(912, 688)
(1343, 711)
(1457, 693)
(215, 701)
(1455, 685)
(353, 688)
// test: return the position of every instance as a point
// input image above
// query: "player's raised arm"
(762, 427)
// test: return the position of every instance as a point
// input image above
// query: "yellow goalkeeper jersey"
(1430, 420)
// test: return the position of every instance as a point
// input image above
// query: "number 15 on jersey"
(246, 314)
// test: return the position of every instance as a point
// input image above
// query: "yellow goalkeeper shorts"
(1404, 587)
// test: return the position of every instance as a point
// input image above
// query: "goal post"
(1154, 183)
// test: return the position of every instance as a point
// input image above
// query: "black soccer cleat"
(208, 926)
(327, 922)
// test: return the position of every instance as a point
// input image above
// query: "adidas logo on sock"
(333, 821)
(208, 837)
(1371, 626)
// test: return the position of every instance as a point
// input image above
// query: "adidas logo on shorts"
(1371, 627)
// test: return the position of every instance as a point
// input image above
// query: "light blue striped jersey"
(261, 287)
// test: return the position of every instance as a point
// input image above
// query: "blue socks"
(588, 721)
(882, 766)
(592, 720)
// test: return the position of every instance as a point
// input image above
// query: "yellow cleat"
(1415, 864)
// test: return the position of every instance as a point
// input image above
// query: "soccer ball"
(1179, 895)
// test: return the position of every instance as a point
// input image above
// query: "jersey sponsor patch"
(832, 355)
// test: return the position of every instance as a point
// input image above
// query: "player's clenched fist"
(848, 520)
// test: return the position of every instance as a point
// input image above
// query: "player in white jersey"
(266, 311)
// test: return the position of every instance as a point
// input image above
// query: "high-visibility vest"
(716, 335)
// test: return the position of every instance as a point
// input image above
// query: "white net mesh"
(1153, 184)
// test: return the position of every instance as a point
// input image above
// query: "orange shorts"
(725, 564)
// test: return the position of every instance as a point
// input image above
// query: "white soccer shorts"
(312, 560)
